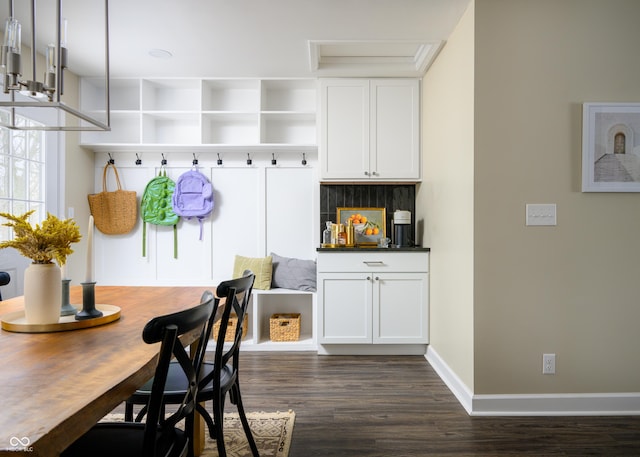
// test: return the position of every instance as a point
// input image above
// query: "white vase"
(42, 293)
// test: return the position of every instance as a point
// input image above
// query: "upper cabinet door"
(395, 139)
(344, 128)
(369, 129)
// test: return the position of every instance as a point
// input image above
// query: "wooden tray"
(15, 322)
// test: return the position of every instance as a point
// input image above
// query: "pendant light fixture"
(22, 96)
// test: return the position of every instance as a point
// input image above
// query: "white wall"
(445, 199)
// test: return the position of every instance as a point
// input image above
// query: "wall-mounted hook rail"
(138, 159)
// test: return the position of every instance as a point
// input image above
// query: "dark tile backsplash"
(389, 196)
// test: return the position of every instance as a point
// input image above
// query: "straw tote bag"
(114, 212)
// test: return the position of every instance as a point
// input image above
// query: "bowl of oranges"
(364, 227)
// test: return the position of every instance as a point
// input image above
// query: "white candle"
(63, 271)
(89, 277)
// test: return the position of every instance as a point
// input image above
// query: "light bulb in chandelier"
(11, 49)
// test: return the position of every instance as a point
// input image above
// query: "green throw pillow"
(261, 267)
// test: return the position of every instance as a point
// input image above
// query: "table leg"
(198, 435)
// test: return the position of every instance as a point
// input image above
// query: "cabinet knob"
(366, 173)
(368, 278)
(377, 278)
(375, 173)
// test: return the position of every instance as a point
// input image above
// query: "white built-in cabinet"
(147, 114)
(373, 298)
(369, 129)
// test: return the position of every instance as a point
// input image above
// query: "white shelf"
(170, 128)
(125, 129)
(288, 95)
(171, 95)
(215, 113)
(265, 303)
(231, 95)
(230, 128)
(288, 128)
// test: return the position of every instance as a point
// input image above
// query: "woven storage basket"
(231, 328)
(114, 212)
(284, 327)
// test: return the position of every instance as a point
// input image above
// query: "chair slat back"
(166, 330)
(237, 294)
(199, 355)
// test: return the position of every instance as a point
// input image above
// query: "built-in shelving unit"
(265, 303)
(203, 114)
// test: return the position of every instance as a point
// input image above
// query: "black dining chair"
(5, 279)
(158, 436)
(218, 378)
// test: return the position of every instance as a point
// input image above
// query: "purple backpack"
(193, 196)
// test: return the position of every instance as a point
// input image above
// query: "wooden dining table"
(55, 386)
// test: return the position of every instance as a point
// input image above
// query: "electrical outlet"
(548, 364)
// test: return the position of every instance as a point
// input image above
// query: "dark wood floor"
(398, 406)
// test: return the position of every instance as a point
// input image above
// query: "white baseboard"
(453, 382)
(569, 404)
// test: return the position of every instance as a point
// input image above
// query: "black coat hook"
(163, 161)
(249, 162)
(219, 159)
(273, 159)
(195, 160)
(111, 161)
(138, 159)
(304, 159)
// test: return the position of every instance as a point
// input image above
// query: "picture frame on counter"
(610, 154)
(369, 223)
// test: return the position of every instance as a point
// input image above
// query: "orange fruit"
(368, 231)
(364, 219)
(376, 230)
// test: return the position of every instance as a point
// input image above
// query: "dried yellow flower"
(42, 244)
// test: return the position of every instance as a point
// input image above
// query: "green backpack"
(156, 208)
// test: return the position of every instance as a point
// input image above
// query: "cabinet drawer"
(373, 261)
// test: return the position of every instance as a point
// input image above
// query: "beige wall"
(445, 198)
(571, 289)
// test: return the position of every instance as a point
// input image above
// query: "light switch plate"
(541, 214)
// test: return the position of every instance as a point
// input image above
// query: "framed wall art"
(611, 147)
(369, 223)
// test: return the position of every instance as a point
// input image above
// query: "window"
(22, 173)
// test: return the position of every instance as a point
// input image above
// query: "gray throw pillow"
(290, 273)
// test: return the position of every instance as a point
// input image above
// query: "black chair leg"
(128, 412)
(235, 395)
(207, 418)
(189, 427)
(218, 418)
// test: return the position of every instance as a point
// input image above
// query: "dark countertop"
(374, 248)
